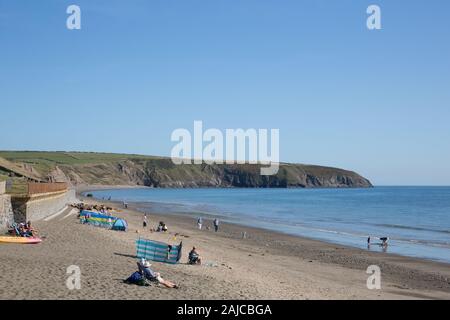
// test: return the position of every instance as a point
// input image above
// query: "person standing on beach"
(199, 223)
(145, 222)
(216, 224)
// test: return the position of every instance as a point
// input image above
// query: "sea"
(416, 219)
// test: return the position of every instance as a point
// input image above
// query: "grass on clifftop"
(44, 162)
(69, 158)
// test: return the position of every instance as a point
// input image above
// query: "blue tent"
(119, 225)
(158, 251)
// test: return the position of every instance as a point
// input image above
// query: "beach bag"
(137, 278)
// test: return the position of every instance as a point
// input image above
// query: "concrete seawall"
(39, 206)
(2, 187)
(6, 212)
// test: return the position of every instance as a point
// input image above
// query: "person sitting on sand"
(162, 227)
(149, 274)
(194, 257)
(24, 231)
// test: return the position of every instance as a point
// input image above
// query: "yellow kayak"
(21, 240)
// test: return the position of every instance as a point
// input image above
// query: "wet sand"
(265, 265)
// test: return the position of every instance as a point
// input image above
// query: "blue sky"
(377, 102)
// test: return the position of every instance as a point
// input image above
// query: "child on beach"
(199, 223)
(161, 227)
(145, 222)
(216, 224)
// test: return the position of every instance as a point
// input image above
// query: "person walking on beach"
(216, 224)
(199, 223)
(145, 222)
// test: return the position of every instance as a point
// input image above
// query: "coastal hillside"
(80, 168)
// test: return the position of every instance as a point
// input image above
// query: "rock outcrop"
(162, 173)
(80, 168)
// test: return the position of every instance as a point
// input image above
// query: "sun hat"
(144, 263)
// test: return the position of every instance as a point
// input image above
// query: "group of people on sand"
(100, 208)
(215, 224)
(24, 230)
(146, 274)
(161, 227)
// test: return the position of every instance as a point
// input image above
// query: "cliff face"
(82, 168)
(162, 173)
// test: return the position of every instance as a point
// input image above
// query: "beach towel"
(158, 251)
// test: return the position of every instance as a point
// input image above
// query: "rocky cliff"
(107, 169)
(164, 174)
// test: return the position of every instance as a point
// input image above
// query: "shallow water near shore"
(416, 219)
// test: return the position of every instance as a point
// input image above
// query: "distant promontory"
(84, 168)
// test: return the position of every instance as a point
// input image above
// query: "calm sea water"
(417, 219)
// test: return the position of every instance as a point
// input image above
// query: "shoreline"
(134, 207)
(406, 273)
(266, 265)
(191, 215)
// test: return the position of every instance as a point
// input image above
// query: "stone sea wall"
(41, 206)
(6, 212)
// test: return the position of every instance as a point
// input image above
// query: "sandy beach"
(265, 265)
